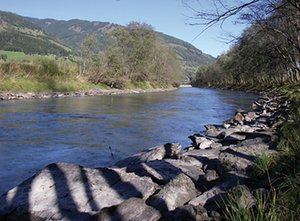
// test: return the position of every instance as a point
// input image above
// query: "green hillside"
(189, 56)
(18, 34)
(73, 31)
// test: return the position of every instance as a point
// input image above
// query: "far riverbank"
(92, 92)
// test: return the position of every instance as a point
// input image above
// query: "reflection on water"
(35, 133)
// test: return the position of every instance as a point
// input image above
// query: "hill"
(189, 56)
(18, 34)
(73, 31)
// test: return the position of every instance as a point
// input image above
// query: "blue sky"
(167, 16)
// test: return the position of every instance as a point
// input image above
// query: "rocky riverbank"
(162, 183)
(93, 92)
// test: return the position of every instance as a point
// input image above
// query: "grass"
(235, 208)
(46, 74)
(289, 167)
(22, 57)
(279, 173)
(42, 75)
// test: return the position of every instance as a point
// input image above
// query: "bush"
(49, 67)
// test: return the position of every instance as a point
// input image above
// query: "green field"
(11, 54)
(21, 57)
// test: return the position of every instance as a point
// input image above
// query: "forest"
(19, 35)
(266, 53)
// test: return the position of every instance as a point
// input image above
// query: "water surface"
(35, 133)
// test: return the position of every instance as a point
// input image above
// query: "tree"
(136, 53)
(271, 46)
(88, 50)
(135, 43)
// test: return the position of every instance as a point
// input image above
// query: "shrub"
(49, 67)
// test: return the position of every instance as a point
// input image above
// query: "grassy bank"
(50, 75)
(42, 75)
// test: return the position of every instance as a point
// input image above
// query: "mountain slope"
(189, 56)
(17, 34)
(74, 31)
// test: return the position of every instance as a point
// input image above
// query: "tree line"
(134, 53)
(267, 52)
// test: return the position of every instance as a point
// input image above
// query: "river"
(80, 130)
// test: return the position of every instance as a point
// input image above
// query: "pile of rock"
(162, 183)
(92, 92)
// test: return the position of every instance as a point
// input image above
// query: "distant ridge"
(73, 31)
(18, 34)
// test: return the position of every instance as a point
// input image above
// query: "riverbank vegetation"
(265, 58)
(266, 54)
(135, 56)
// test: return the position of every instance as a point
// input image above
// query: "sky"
(170, 17)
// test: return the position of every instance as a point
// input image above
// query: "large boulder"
(236, 159)
(207, 197)
(156, 153)
(164, 171)
(176, 193)
(241, 197)
(133, 209)
(64, 190)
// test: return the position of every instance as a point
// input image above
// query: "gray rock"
(208, 153)
(176, 193)
(201, 212)
(251, 116)
(208, 157)
(156, 153)
(213, 127)
(201, 142)
(234, 137)
(62, 190)
(183, 213)
(211, 175)
(231, 179)
(165, 170)
(242, 197)
(205, 197)
(215, 131)
(236, 159)
(133, 209)
(216, 216)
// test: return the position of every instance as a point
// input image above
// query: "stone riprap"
(92, 92)
(162, 183)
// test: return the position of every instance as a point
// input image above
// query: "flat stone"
(206, 196)
(156, 153)
(236, 159)
(164, 171)
(176, 193)
(133, 209)
(242, 197)
(62, 189)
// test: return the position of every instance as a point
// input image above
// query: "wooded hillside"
(17, 34)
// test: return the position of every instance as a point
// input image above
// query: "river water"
(80, 130)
